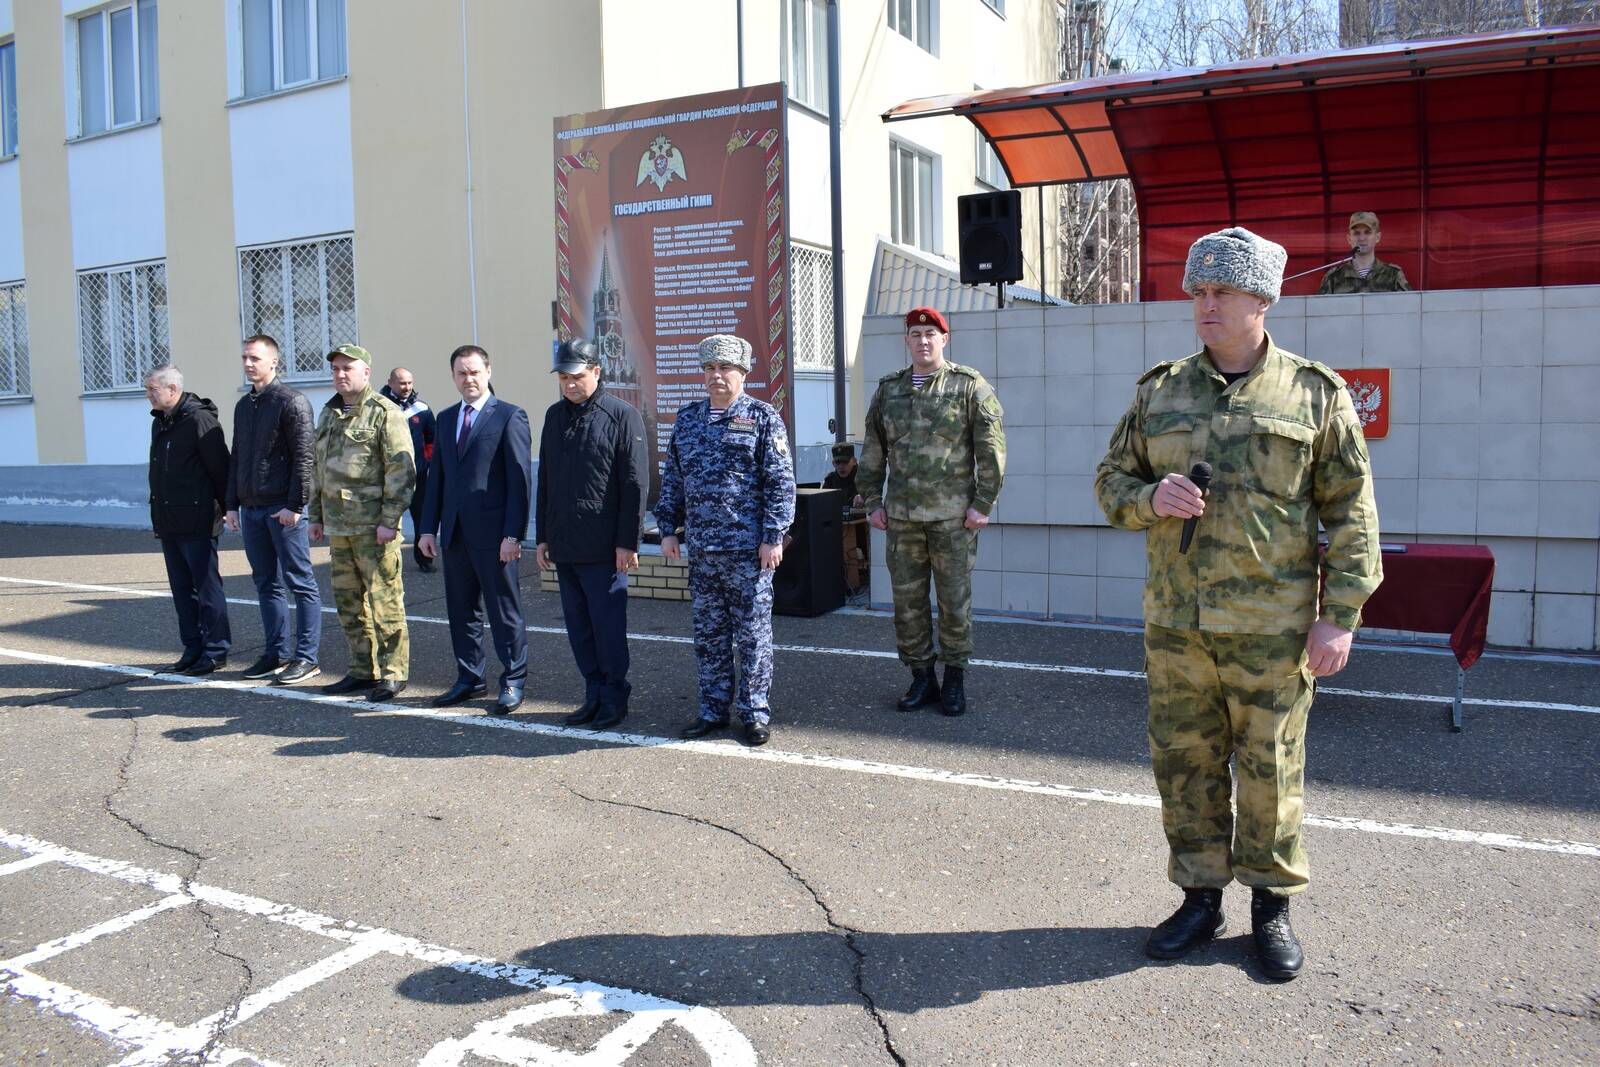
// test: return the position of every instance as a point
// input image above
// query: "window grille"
(304, 294)
(14, 340)
(811, 279)
(122, 325)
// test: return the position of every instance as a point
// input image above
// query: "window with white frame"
(304, 294)
(285, 43)
(122, 325)
(990, 172)
(8, 99)
(117, 77)
(911, 196)
(13, 340)
(808, 54)
(811, 294)
(913, 19)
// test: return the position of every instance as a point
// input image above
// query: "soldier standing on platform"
(729, 482)
(1235, 631)
(1364, 272)
(934, 428)
(365, 476)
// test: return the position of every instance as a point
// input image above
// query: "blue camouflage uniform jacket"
(728, 480)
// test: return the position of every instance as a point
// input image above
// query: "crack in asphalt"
(85, 691)
(185, 883)
(847, 934)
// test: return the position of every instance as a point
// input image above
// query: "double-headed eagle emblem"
(1368, 398)
(660, 163)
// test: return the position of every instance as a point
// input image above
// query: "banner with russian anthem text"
(671, 226)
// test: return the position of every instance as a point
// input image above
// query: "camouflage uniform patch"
(1382, 278)
(368, 592)
(946, 551)
(732, 616)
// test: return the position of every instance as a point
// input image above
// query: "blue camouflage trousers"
(732, 599)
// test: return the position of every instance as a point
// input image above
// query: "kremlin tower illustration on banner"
(618, 370)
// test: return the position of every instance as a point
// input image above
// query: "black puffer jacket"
(273, 449)
(188, 470)
(593, 470)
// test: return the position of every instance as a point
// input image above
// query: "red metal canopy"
(1481, 155)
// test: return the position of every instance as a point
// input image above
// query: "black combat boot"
(1197, 920)
(1276, 945)
(954, 700)
(924, 690)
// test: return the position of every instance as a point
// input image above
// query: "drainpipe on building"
(841, 430)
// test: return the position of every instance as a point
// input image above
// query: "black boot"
(1276, 945)
(954, 701)
(1197, 920)
(924, 690)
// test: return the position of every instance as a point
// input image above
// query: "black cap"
(575, 357)
(844, 450)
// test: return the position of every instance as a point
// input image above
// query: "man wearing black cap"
(593, 470)
(843, 476)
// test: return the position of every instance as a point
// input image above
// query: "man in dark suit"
(476, 513)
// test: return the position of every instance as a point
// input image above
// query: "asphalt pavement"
(206, 869)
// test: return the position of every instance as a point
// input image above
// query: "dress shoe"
(386, 691)
(953, 695)
(1276, 945)
(265, 667)
(610, 717)
(584, 715)
(701, 727)
(298, 670)
(185, 661)
(206, 665)
(1197, 920)
(348, 684)
(924, 690)
(459, 692)
(756, 733)
(510, 698)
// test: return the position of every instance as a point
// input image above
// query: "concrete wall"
(1493, 439)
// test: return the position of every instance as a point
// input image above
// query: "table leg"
(1455, 709)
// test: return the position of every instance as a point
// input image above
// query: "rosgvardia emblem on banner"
(1369, 389)
(661, 163)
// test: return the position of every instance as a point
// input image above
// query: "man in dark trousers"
(476, 513)
(188, 484)
(593, 470)
(402, 389)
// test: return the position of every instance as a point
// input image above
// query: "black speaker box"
(991, 236)
(810, 580)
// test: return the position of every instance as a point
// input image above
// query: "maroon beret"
(926, 317)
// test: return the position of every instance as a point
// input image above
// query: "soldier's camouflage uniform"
(365, 475)
(1382, 278)
(1226, 623)
(944, 450)
(728, 480)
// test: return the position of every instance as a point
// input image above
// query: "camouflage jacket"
(1382, 278)
(942, 446)
(1286, 450)
(365, 470)
(728, 480)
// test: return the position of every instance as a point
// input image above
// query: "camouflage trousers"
(1213, 696)
(368, 592)
(945, 551)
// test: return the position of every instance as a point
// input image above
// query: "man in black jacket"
(188, 480)
(269, 484)
(593, 470)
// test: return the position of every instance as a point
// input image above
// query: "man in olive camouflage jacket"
(934, 429)
(1234, 629)
(365, 475)
(1364, 272)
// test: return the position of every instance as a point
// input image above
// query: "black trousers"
(197, 594)
(475, 579)
(596, 613)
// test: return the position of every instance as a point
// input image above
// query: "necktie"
(464, 431)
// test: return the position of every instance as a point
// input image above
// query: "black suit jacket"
(481, 496)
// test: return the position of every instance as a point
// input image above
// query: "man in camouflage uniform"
(1364, 272)
(1234, 634)
(728, 481)
(934, 428)
(365, 476)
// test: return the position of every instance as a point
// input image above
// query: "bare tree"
(1371, 21)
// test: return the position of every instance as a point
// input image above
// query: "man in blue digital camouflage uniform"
(728, 481)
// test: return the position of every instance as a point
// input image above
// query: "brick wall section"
(656, 579)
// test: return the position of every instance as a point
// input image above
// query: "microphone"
(1200, 475)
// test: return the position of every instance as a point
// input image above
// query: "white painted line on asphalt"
(722, 1044)
(865, 653)
(806, 759)
(23, 865)
(82, 937)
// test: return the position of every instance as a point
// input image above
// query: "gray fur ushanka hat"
(1239, 259)
(726, 348)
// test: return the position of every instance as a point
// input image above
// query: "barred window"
(304, 294)
(811, 275)
(122, 325)
(13, 340)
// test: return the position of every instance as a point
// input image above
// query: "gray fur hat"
(1239, 259)
(726, 348)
